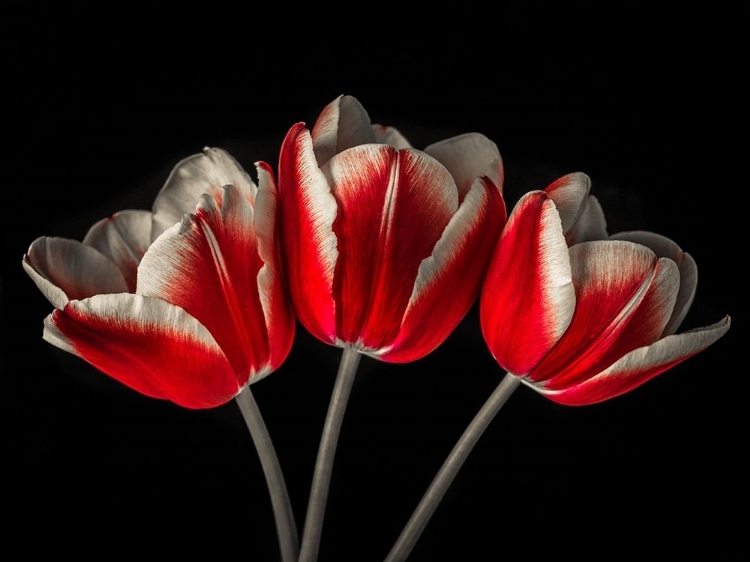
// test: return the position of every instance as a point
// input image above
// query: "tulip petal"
(390, 136)
(393, 208)
(528, 299)
(664, 247)
(624, 297)
(306, 215)
(123, 238)
(468, 157)
(639, 366)
(65, 269)
(581, 214)
(147, 344)
(280, 320)
(456, 267)
(209, 266)
(206, 172)
(343, 123)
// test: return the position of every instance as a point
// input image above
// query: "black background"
(647, 98)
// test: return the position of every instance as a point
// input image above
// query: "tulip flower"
(575, 314)
(193, 317)
(592, 321)
(381, 239)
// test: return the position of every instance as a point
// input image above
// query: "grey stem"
(286, 528)
(447, 473)
(316, 505)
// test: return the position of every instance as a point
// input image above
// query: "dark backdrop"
(647, 98)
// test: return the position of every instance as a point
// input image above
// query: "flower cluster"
(378, 248)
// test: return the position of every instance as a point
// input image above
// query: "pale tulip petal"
(527, 299)
(664, 247)
(280, 319)
(591, 223)
(123, 238)
(639, 366)
(206, 172)
(209, 266)
(390, 136)
(624, 298)
(569, 194)
(65, 269)
(342, 124)
(456, 267)
(306, 215)
(468, 157)
(147, 344)
(394, 206)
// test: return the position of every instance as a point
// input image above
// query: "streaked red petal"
(342, 124)
(307, 210)
(209, 266)
(147, 344)
(468, 157)
(639, 366)
(65, 269)
(624, 298)
(206, 172)
(123, 238)
(449, 280)
(393, 208)
(277, 308)
(527, 299)
(664, 247)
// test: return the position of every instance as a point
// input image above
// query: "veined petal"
(147, 344)
(527, 300)
(306, 214)
(449, 280)
(209, 266)
(591, 223)
(393, 208)
(624, 298)
(664, 247)
(468, 157)
(342, 124)
(65, 269)
(390, 136)
(639, 366)
(123, 238)
(280, 320)
(206, 172)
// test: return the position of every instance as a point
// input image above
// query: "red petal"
(449, 281)
(639, 366)
(393, 208)
(527, 299)
(209, 266)
(147, 344)
(307, 210)
(664, 247)
(206, 172)
(624, 298)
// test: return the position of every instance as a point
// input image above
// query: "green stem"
(447, 473)
(286, 528)
(316, 505)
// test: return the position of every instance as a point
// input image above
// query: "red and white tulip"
(194, 316)
(385, 246)
(581, 316)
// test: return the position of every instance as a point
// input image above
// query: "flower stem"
(447, 473)
(286, 528)
(326, 451)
